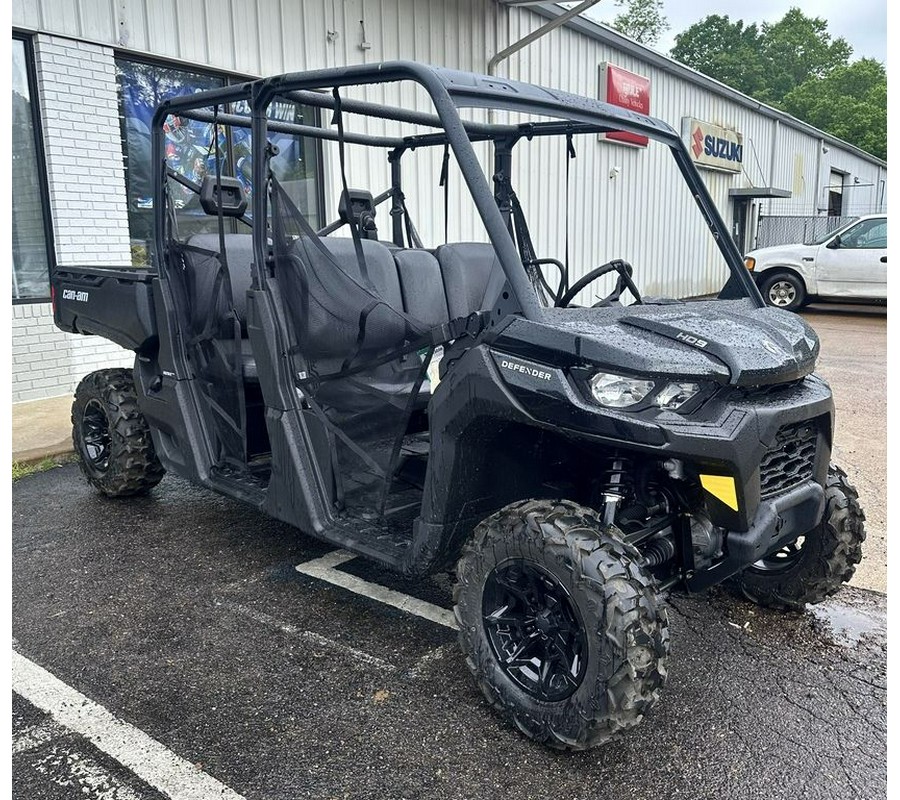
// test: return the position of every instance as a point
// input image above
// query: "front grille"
(790, 461)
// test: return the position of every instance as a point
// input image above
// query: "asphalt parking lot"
(853, 359)
(181, 652)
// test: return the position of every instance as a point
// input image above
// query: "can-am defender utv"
(571, 457)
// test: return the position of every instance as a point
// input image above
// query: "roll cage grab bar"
(449, 91)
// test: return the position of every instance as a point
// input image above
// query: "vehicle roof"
(470, 88)
(466, 89)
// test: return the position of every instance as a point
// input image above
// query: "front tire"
(816, 565)
(560, 623)
(783, 290)
(111, 436)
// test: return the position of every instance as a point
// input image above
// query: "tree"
(795, 65)
(642, 20)
(725, 50)
(797, 48)
(765, 62)
(850, 103)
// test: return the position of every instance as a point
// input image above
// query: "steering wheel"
(539, 277)
(623, 282)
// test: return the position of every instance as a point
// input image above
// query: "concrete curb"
(35, 455)
(41, 429)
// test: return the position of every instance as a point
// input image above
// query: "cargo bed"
(113, 302)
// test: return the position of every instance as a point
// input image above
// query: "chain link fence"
(775, 230)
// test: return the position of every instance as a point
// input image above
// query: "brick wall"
(82, 140)
(48, 362)
(80, 119)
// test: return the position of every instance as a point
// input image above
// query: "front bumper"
(777, 522)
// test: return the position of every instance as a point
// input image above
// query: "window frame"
(869, 224)
(229, 78)
(41, 157)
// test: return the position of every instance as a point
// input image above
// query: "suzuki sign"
(712, 146)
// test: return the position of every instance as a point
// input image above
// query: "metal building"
(86, 71)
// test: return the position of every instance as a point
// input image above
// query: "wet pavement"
(182, 614)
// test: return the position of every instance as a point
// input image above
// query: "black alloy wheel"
(814, 566)
(534, 630)
(95, 438)
(782, 559)
(561, 623)
(111, 437)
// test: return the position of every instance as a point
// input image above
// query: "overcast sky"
(863, 23)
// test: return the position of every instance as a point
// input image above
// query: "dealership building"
(87, 74)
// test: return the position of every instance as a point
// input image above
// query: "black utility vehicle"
(469, 407)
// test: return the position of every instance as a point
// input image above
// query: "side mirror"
(228, 193)
(835, 243)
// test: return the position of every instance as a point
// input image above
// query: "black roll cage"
(449, 91)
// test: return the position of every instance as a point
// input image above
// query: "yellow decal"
(722, 488)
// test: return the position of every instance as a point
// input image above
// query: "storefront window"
(31, 261)
(191, 151)
(142, 87)
(295, 163)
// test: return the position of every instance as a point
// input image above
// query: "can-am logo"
(71, 294)
(771, 347)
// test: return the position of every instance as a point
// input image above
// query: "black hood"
(728, 341)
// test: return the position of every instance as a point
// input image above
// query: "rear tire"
(783, 290)
(111, 436)
(825, 560)
(598, 597)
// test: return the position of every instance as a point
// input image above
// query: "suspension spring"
(617, 482)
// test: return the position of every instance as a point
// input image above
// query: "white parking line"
(324, 569)
(425, 661)
(34, 736)
(151, 761)
(309, 636)
(69, 768)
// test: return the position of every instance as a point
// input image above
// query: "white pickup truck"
(847, 264)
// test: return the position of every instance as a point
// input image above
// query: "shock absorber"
(617, 481)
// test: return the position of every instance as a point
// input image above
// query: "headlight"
(750, 263)
(617, 391)
(674, 395)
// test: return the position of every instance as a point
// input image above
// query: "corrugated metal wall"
(608, 217)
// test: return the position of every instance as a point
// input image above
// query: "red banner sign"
(625, 89)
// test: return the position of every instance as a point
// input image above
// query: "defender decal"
(525, 370)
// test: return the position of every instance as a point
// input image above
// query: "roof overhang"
(759, 192)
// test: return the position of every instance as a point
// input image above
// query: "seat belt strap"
(445, 182)
(412, 235)
(570, 154)
(338, 120)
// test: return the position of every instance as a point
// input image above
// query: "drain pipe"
(562, 19)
